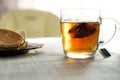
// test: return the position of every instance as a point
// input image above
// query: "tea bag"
(82, 30)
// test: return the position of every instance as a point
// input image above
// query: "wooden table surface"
(49, 63)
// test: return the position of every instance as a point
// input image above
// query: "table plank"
(54, 66)
(49, 63)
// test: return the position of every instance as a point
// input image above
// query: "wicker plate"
(9, 52)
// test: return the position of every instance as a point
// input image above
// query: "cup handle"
(116, 23)
(105, 53)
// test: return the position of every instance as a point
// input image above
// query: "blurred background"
(109, 9)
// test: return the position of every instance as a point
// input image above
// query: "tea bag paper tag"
(105, 53)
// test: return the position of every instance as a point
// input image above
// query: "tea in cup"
(80, 29)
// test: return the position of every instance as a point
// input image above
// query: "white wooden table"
(49, 63)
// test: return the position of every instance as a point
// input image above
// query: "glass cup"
(80, 29)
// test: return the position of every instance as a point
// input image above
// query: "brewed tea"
(80, 37)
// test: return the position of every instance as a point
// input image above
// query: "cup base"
(83, 55)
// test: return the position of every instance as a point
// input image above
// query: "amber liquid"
(80, 37)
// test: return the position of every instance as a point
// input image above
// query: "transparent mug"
(80, 29)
